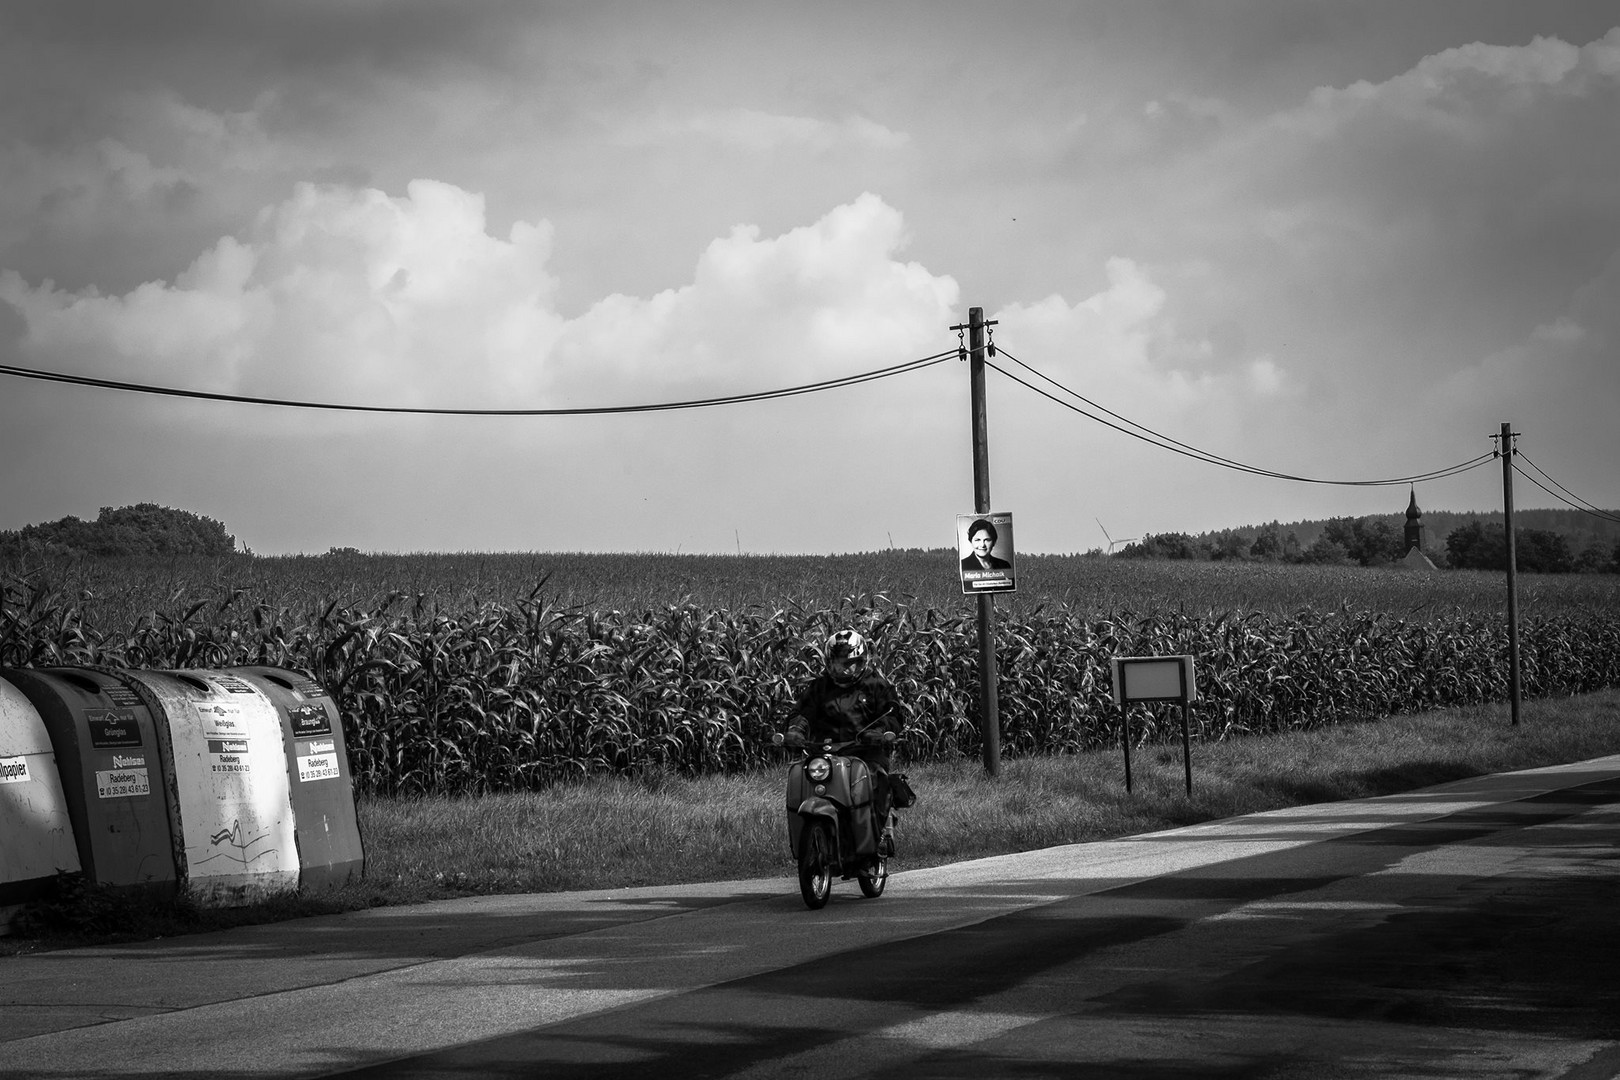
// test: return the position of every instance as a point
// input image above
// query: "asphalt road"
(1468, 930)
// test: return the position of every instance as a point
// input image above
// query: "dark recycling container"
(36, 831)
(225, 768)
(107, 752)
(329, 847)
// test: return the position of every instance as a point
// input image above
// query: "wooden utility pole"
(1514, 693)
(989, 712)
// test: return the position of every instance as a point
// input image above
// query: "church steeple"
(1414, 524)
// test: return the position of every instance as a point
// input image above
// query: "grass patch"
(659, 828)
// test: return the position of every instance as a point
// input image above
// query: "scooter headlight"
(818, 769)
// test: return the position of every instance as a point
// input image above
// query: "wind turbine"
(1112, 543)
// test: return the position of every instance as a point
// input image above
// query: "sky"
(1340, 240)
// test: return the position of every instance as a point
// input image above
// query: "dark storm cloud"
(286, 34)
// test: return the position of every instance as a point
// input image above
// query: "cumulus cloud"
(1404, 230)
(1491, 140)
(822, 299)
(1477, 79)
(337, 293)
(1121, 348)
(136, 187)
(356, 295)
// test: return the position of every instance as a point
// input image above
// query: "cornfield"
(494, 695)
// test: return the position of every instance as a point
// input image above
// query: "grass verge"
(662, 829)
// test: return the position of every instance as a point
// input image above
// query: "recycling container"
(230, 810)
(329, 847)
(106, 746)
(36, 833)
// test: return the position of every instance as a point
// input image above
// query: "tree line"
(149, 529)
(142, 529)
(1375, 541)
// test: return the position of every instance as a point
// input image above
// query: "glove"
(793, 740)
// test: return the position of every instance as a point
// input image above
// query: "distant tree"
(1541, 551)
(1272, 545)
(1595, 559)
(1292, 551)
(1229, 545)
(1477, 546)
(1370, 541)
(1483, 546)
(1164, 546)
(1325, 552)
(142, 529)
(1268, 544)
(1379, 543)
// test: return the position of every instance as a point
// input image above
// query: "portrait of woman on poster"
(982, 539)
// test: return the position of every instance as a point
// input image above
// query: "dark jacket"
(826, 711)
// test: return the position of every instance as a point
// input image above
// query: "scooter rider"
(851, 701)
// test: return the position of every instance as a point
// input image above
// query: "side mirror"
(778, 739)
(889, 737)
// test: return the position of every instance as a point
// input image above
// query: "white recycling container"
(230, 803)
(36, 831)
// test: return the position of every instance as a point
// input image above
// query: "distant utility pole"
(989, 711)
(1507, 451)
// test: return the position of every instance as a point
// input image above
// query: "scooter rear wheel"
(815, 865)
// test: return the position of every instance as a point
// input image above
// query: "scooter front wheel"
(874, 878)
(815, 865)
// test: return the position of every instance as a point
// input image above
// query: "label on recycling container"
(121, 783)
(228, 755)
(119, 694)
(14, 770)
(308, 688)
(222, 720)
(317, 767)
(308, 720)
(112, 729)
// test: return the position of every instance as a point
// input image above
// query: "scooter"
(831, 828)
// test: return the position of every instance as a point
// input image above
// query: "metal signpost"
(1154, 679)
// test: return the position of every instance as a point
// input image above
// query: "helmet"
(846, 656)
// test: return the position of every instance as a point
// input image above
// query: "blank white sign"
(1152, 678)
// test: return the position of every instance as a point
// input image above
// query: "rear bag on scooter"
(901, 794)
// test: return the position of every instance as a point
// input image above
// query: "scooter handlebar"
(829, 747)
(887, 738)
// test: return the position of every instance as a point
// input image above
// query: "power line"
(1165, 442)
(1574, 501)
(666, 406)
(1584, 503)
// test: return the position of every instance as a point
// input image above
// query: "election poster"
(984, 543)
